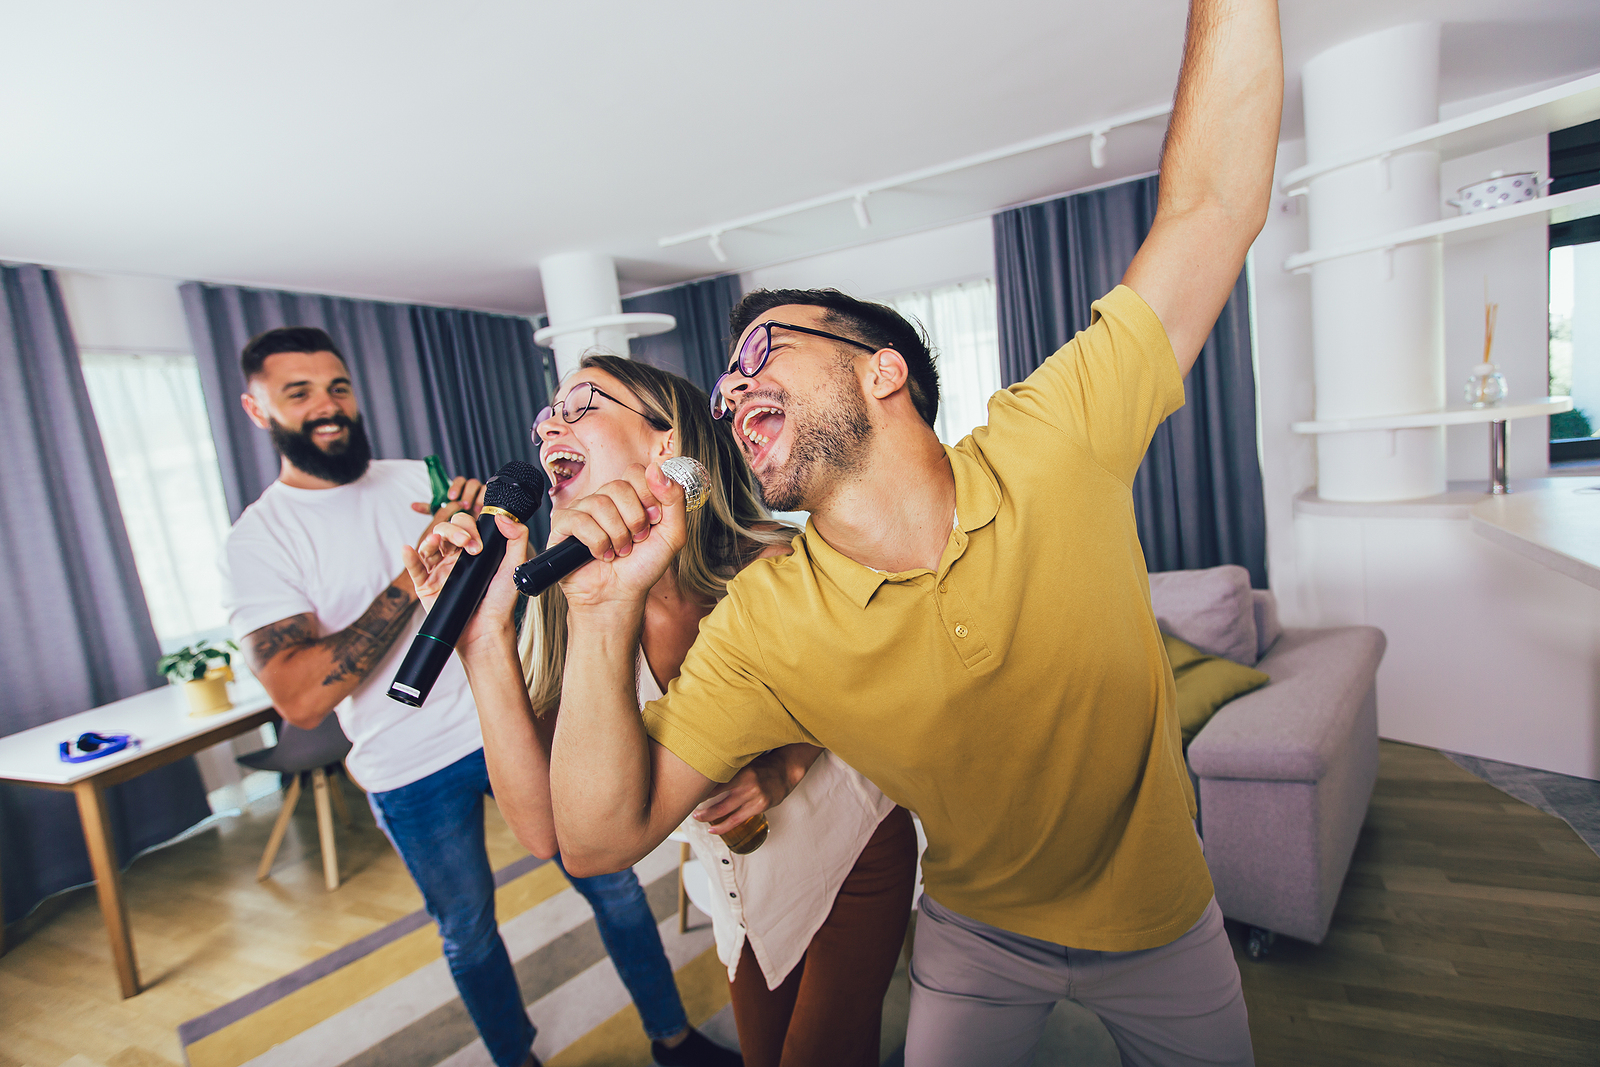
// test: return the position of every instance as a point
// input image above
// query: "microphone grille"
(692, 476)
(517, 487)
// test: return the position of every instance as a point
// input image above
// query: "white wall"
(124, 312)
(1281, 304)
(940, 256)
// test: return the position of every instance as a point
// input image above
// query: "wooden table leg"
(330, 857)
(683, 893)
(108, 882)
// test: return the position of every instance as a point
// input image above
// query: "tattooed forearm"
(286, 651)
(358, 647)
(264, 645)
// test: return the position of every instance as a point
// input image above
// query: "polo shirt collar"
(977, 493)
(977, 502)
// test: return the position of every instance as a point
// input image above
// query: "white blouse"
(778, 896)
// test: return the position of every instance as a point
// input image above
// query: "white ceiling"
(435, 152)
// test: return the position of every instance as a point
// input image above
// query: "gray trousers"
(980, 995)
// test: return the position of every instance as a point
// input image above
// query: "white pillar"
(1377, 318)
(579, 286)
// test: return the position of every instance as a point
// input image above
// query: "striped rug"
(387, 999)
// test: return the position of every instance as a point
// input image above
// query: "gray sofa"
(1283, 775)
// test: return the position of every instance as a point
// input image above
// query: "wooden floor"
(1468, 932)
(206, 932)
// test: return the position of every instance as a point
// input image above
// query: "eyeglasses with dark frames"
(757, 347)
(580, 401)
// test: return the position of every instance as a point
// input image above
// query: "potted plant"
(204, 670)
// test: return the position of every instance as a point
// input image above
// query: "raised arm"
(617, 794)
(1216, 168)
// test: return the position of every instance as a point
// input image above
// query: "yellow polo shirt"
(1019, 699)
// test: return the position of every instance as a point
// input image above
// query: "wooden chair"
(307, 756)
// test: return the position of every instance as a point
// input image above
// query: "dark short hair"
(283, 339)
(876, 324)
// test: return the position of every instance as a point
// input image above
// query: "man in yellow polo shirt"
(970, 627)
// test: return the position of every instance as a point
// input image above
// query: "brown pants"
(828, 1011)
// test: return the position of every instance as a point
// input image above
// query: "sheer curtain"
(152, 418)
(962, 330)
(77, 633)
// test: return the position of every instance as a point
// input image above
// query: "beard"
(830, 438)
(341, 465)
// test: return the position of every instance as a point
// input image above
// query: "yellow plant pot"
(209, 695)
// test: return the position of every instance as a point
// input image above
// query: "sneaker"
(696, 1050)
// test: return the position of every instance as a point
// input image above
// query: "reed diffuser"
(1487, 385)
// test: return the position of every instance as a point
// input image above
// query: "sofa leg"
(1260, 942)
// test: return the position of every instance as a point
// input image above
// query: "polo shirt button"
(941, 587)
(961, 631)
(726, 861)
(735, 896)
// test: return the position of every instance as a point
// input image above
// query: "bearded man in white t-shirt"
(315, 588)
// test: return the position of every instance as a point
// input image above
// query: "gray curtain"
(463, 384)
(1198, 494)
(698, 348)
(485, 383)
(77, 631)
(378, 343)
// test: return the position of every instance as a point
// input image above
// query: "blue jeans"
(436, 824)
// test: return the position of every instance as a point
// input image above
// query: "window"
(965, 336)
(1575, 299)
(153, 422)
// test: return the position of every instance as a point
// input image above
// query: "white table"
(161, 720)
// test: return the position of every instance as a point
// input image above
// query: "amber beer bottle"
(747, 836)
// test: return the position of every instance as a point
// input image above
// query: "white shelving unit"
(1542, 112)
(1527, 116)
(1564, 207)
(1527, 409)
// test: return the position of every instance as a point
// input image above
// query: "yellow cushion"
(1205, 683)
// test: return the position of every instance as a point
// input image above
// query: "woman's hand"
(764, 783)
(431, 563)
(634, 528)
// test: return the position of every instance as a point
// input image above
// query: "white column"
(579, 286)
(1377, 318)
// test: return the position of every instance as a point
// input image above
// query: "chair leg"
(338, 796)
(330, 857)
(290, 798)
(683, 893)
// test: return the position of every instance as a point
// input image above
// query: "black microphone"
(516, 490)
(554, 564)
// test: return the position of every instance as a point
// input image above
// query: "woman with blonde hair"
(811, 923)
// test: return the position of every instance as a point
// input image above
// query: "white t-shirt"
(330, 552)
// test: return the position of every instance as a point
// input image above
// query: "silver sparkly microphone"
(554, 564)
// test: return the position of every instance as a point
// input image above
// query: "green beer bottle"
(439, 481)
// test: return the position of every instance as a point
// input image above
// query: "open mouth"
(564, 465)
(759, 426)
(328, 433)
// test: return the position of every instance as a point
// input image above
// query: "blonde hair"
(728, 532)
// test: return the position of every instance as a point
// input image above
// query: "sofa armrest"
(1295, 727)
